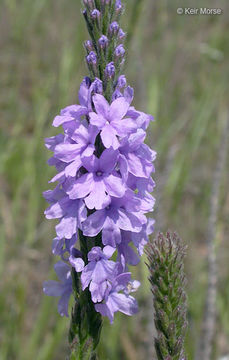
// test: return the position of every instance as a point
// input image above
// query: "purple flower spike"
(62, 288)
(103, 174)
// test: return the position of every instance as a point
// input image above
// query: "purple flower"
(141, 239)
(136, 157)
(79, 145)
(62, 247)
(143, 187)
(109, 119)
(115, 301)
(142, 120)
(69, 114)
(98, 271)
(72, 114)
(70, 212)
(120, 214)
(62, 288)
(100, 181)
(76, 260)
(116, 94)
(126, 255)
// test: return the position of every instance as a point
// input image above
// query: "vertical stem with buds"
(104, 58)
(165, 262)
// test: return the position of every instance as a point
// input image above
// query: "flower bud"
(110, 70)
(121, 83)
(114, 28)
(97, 86)
(92, 58)
(95, 14)
(103, 42)
(118, 7)
(121, 34)
(89, 4)
(120, 51)
(88, 45)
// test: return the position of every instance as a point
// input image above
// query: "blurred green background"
(178, 65)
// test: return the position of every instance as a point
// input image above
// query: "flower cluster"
(103, 191)
(103, 179)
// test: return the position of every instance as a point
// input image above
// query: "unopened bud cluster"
(105, 51)
(165, 262)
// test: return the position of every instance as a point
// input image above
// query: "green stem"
(86, 323)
